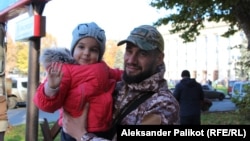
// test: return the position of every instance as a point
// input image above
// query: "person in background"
(77, 77)
(144, 70)
(190, 95)
(3, 116)
(209, 82)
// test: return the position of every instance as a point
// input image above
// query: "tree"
(242, 65)
(22, 57)
(113, 54)
(18, 52)
(11, 56)
(48, 41)
(189, 16)
(119, 59)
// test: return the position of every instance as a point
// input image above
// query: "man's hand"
(76, 127)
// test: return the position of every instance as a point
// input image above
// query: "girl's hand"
(54, 75)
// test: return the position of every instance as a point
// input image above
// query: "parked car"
(172, 90)
(230, 87)
(211, 93)
(240, 89)
(17, 91)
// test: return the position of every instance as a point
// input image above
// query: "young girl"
(85, 78)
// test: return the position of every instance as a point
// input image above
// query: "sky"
(116, 17)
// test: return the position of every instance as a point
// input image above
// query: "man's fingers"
(85, 114)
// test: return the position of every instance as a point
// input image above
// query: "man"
(189, 93)
(143, 74)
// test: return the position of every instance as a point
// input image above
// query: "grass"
(17, 133)
(223, 118)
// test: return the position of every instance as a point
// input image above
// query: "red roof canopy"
(15, 9)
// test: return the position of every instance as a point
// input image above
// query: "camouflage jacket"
(160, 109)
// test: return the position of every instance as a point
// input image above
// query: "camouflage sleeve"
(170, 111)
(92, 137)
(161, 109)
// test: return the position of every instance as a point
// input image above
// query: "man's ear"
(160, 58)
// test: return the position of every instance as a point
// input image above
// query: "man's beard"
(137, 78)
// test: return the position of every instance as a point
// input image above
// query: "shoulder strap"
(127, 109)
(131, 106)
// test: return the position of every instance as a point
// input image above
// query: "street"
(18, 116)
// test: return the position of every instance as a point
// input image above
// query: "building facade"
(209, 57)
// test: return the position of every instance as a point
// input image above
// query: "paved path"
(18, 116)
(225, 105)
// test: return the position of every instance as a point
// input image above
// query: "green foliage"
(243, 103)
(244, 106)
(22, 57)
(18, 53)
(221, 88)
(242, 63)
(188, 16)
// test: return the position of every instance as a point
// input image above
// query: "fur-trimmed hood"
(50, 55)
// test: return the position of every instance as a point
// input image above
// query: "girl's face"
(86, 51)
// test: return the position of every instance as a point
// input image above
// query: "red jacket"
(93, 83)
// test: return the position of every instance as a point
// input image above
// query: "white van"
(239, 89)
(17, 91)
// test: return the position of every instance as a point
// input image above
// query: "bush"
(243, 104)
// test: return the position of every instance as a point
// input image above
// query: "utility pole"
(36, 9)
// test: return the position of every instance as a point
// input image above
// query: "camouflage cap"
(145, 37)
